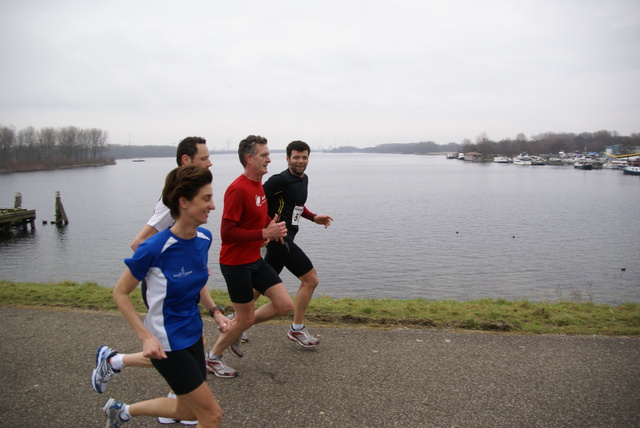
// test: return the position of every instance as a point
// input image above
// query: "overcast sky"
(332, 72)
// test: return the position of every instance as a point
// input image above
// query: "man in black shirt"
(286, 195)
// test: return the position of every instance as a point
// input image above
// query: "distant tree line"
(546, 143)
(554, 143)
(32, 149)
(50, 148)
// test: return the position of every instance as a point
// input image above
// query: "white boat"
(616, 164)
(631, 170)
(583, 162)
(587, 162)
(537, 160)
(522, 159)
(501, 159)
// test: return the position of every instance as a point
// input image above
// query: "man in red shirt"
(245, 227)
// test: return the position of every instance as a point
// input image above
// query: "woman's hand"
(151, 348)
(222, 321)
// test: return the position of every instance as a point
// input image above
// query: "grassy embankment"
(497, 315)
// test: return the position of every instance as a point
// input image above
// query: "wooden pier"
(19, 217)
(16, 217)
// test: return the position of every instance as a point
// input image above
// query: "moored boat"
(631, 170)
(583, 162)
(616, 164)
(537, 160)
(522, 159)
(501, 159)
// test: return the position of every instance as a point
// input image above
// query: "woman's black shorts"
(184, 370)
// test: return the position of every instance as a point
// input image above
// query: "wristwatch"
(212, 311)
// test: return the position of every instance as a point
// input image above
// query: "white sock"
(172, 395)
(213, 356)
(125, 415)
(117, 362)
(297, 327)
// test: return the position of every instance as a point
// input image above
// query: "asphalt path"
(354, 378)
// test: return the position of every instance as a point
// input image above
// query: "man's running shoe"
(302, 337)
(235, 348)
(243, 337)
(103, 371)
(219, 368)
(114, 409)
(167, 421)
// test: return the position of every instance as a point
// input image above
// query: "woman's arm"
(151, 346)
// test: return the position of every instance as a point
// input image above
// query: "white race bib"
(297, 213)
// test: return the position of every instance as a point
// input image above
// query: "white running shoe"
(103, 371)
(218, 367)
(114, 409)
(167, 421)
(302, 337)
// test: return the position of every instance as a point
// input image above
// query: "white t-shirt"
(161, 218)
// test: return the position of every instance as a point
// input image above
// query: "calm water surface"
(405, 227)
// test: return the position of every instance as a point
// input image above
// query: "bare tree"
(7, 143)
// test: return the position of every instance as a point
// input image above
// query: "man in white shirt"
(191, 151)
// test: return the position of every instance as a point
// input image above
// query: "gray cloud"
(332, 73)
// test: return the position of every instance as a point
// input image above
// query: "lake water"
(405, 227)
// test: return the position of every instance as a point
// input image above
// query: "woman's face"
(199, 207)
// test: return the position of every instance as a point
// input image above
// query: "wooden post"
(61, 216)
(18, 201)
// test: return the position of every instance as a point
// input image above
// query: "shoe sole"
(96, 388)
(106, 406)
(235, 350)
(293, 339)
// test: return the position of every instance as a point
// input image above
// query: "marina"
(584, 161)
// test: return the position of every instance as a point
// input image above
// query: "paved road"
(356, 378)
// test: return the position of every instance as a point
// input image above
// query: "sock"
(117, 362)
(212, 356)
(171, 395)
(125, 415)
(297, 327)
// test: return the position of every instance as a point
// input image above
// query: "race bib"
(297, 213)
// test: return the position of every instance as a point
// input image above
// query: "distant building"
(473, 157)
(613, 150)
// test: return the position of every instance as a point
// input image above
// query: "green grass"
(496, 315)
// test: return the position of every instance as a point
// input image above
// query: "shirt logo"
(183, 273)
(260, 200)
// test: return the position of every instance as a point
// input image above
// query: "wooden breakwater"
(18, 217)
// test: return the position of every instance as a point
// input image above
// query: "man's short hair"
(298, 146)
(248, 146)
(189, 147)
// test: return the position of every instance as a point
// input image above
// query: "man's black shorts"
(288, 255)
(242, 279)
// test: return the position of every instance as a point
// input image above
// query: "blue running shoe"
(103, 371)
(114, 409)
